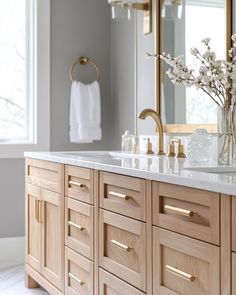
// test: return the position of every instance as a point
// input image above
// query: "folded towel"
(85, 112)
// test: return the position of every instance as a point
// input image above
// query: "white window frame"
(42, 87)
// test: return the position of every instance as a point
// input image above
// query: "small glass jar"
(127, 142)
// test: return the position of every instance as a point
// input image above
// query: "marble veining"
(12, 282)
(157, 168)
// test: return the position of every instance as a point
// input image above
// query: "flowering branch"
(215, 77)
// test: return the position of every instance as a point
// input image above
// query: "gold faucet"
(157, 119)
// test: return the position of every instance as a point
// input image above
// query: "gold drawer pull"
(36, 212)
(180, 211)
(118, 195)
(75, 183)
(40, 209)
(76, 279)
(76, 226)
(126, 248)
(180, 273)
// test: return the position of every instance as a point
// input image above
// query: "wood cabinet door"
(122, 248)
(51, 217)
(233, 273)
(184, 266)
(111, 285)
(32, 227)
(79, 274)
(79, 227)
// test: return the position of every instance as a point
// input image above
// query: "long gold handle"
(126, 248)
(180, 273)
(40, 209)
(76, 226)
(118, 195)
(75, 183)
(76, 279)
(180, 211)
(36, 210)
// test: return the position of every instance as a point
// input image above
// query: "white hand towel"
(89, 111)
(74, 128)
(85, 112)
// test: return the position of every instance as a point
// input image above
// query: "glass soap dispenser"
(127, 142)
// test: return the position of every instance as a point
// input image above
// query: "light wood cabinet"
(79, 229)
(44, 233)
(45, 174)
(33, 230)
(98, 233)
(79, 183)
(192, 212)
(78, 274)
(185, 266)
(111, 285)
(122, 247)
(122, 194)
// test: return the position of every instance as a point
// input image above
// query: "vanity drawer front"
(122, 247)
(123, 194)
(79, 183)
(111, 285)
(44, 174)
(233, 223)
(79, 227)
(188, 211)
(182, 265)
(233, 273)
(78, 274)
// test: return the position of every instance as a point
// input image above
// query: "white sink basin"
(230, 171)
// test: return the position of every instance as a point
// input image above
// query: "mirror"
(182, 24)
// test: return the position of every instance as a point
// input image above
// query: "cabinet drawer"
(111, 285)
(188, 211)
(44, 174)
(123, 194)
(79, 183)
(122, 247)
(79, 227)
(233, 224)
(185, 266)
(79, 274)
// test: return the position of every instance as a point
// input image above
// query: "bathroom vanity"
(102, 224)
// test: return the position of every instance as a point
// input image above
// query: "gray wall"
(79, 27)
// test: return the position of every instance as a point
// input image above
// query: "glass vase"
(226, 122)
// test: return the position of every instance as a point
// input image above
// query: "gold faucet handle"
(180, 153)
(171, 150)
(149, 150)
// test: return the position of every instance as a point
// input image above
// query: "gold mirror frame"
(182, 128)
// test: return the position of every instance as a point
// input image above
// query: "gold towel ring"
(84, 61)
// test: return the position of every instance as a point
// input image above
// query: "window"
(24, 76)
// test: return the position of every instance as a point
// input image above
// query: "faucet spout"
(158, 123)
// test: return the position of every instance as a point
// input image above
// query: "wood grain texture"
(225, 248)
(203, 225)
(82, 215)
(37, 277)
(33, 232)
(134, 188)
(193, 257)
(52, 238)
(233, 273)
(111, 285)
(82, 269)
(234, 224)
(96, 231)
(47, 175)
(83, 176)
(129, 266)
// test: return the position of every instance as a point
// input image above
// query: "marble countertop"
(157, 168)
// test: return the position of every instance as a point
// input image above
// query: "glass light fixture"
(120, 9)
(172, 9)
(123, 8)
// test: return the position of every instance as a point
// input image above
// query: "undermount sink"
(229, 171)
